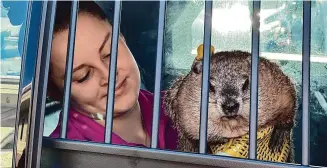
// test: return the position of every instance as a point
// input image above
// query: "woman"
(133, 106)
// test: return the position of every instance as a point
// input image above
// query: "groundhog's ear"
(197, 67)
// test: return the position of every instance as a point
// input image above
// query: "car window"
(280, 41)
(13, 16)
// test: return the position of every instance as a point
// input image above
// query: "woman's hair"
(62, 21)
(63, 13)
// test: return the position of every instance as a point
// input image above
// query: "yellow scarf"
(238, 147)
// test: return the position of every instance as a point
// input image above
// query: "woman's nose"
(105, 77)
(105, 68)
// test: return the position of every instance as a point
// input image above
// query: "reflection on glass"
(24, 116)
(13, 15)
(281, 42)
(318, 84)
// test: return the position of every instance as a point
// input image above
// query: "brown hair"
(63, 13)
(62, 21)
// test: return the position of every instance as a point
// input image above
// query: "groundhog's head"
(229, 97)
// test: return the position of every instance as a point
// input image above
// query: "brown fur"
(228, 73)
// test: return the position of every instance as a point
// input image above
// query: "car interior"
(139, 24)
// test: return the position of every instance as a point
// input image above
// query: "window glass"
(318, 83)
(13, 16)
(281, 27)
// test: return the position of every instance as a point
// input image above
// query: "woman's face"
(91, 67)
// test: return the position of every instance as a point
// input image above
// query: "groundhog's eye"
(245, 85)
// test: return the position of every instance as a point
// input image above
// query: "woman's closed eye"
(106, 59)
(107, 56)
(85, 77)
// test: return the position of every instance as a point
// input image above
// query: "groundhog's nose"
(230, 108)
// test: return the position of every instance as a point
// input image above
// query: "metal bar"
(306, 82)
(135, 153)
(29, 140)
(20, 93)
(205, 76)
(34, 84)
(69, 68)
(157, 87)
(41, 82)
(254, 80)
(112, 73)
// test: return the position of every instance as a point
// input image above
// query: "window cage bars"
(28, 20)
(112, 73)
(306, 82)
(33, 150)
(158, 76)
(254, 80)
(69, 68)
(205, 77)
(41, 76)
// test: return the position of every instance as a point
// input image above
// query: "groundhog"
(229, 102)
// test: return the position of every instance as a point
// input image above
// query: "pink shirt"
(83, 128)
